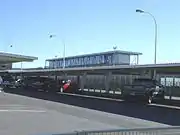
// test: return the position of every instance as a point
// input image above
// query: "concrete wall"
(117, 81)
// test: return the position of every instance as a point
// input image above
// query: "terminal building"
(109, 58)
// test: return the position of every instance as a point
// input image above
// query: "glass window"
(84, 61)
(50, 64)
(75, 61)
(55, 63)
(80, 61)
(88, 60)
(67, 62)
(102, 59)
(97, 60)
(93, 60)
(61, 63)
(109, 60)
(72, 62)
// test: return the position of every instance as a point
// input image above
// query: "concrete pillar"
(65, 76)
(78, 81)
(55, 77)
(137, 62)
(15, 77)
(83, 80)
(165, 81)
(45, 65)
(158, 78)
(172, 87)
(108, 78)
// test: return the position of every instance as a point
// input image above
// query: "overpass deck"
(120, 69)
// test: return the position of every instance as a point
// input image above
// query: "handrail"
(173, 130)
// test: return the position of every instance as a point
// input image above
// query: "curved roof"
(6, 58)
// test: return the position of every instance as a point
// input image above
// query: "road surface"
(24, 115)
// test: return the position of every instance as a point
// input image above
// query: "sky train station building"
(95, 59)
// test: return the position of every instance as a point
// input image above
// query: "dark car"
(144, 88)
(39, 83)
(7, 81)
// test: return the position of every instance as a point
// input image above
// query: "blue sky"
(89, 26)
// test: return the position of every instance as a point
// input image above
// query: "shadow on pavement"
(170, 116)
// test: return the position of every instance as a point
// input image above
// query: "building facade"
(97, 59)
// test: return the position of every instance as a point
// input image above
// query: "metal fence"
(137, 131)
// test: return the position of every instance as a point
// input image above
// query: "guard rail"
(173, 130)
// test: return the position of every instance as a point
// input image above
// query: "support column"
(171, 89)
(158, 78)
(15, 77)
(150, 74)
(78, 81)
(108, 78)
(65, 76)
(55, 78)
(165, 81)
(137, 60)
(83, 81)
(45, 64)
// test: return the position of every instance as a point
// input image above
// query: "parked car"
(38, 83)
(144, 88)
(69, 86)
(7, 81)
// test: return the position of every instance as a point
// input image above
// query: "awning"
(7, 58)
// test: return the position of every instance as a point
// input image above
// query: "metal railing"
(137, 131)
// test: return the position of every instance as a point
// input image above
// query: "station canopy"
(7, 58)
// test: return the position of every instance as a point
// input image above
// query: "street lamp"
(155, 39)
(114, 55)
(64, 62)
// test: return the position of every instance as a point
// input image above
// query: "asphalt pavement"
(24, 115)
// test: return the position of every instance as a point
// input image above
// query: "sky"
(89, 26)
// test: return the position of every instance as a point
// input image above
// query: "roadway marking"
(12, 105)
(111, 99)
(30, 111)
(167, 106)
(89, 96)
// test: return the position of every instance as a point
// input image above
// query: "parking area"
(27, 115)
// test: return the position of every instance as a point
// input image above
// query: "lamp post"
(64, 50)
(114, 55)
(155, 38)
